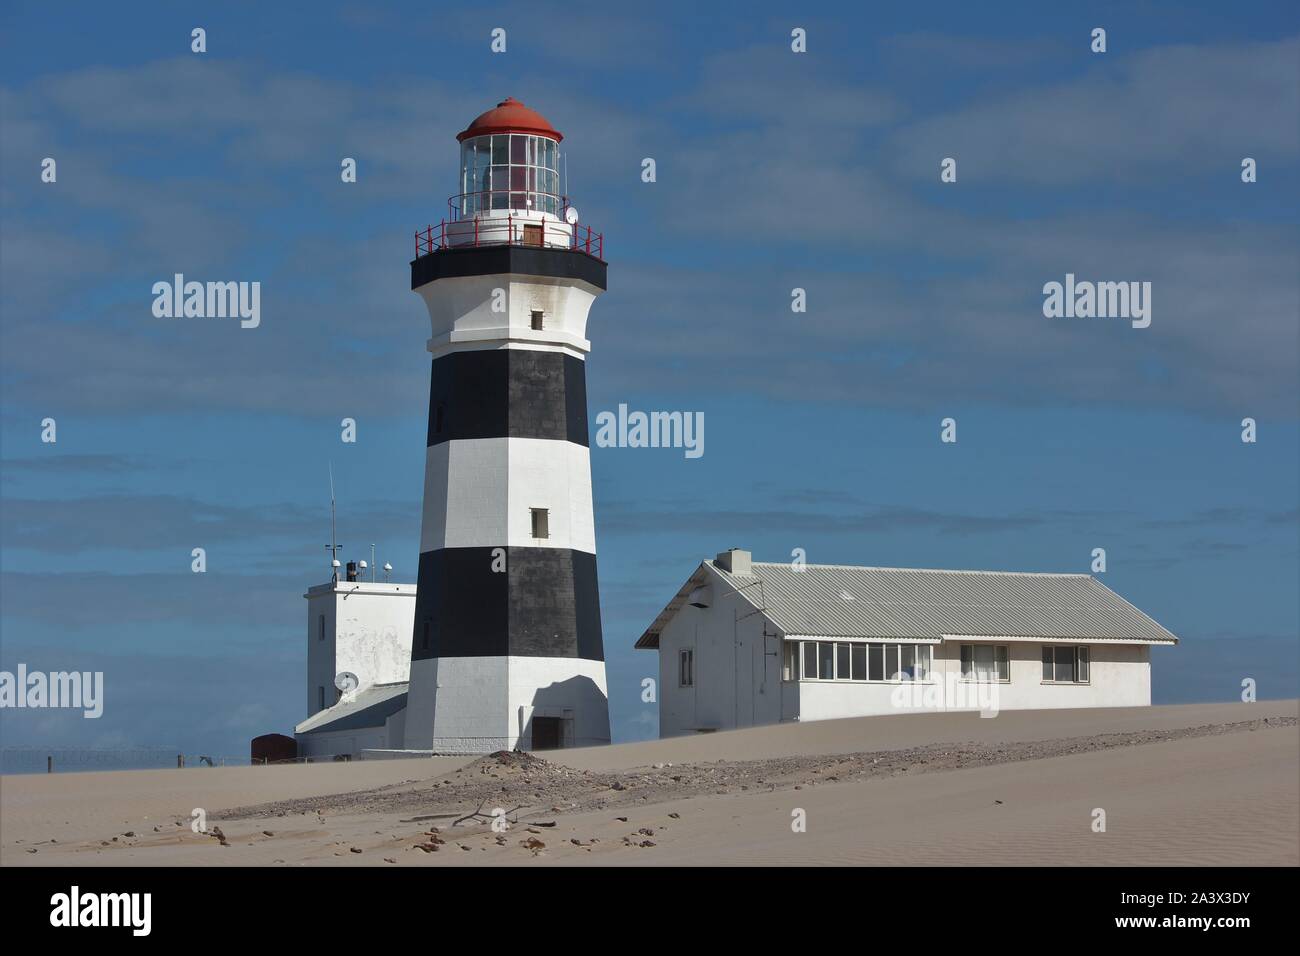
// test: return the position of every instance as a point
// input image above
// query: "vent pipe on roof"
(734, 561)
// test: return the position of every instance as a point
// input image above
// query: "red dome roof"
(511, 116)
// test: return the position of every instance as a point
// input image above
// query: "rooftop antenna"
(388, 569)
(334, 546)
(372, 562)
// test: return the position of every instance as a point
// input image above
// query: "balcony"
(507, 218)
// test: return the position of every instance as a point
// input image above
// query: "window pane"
(1083, 664)
(968, 661)
(984, 662)
(922, 661)
(550, 154)
(518, 150)
(891, 662)
(842, 661)
(809, 660)
(859, 662)
(1004, 662)
(1065, 663)
(825, 660)
(877, 658)
(500, 150)
(1047, 663)
(908, 661)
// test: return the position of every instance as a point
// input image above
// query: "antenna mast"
(333, 546)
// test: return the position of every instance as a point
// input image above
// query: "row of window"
(842, 660)
(856, 661)
(509, 149)
(510, 171)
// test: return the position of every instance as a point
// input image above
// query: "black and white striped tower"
(506, 649)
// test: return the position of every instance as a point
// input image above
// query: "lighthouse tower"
(506, 649)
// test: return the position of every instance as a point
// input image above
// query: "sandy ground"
(1214, 784)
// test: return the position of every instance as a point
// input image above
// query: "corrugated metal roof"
(369, 707)
(843, 601)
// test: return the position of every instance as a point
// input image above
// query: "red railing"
(510, 230)
(464, 232)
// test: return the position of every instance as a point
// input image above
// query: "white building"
(744, 643)
(358, 662)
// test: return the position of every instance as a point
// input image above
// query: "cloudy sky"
(775, 171)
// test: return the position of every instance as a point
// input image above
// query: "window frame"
(973, 677)
(1082, 664)
(685, 667)
(544, 524)
(873, 655)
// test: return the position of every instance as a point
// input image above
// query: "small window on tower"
(537, 320)
(541, 523)
(686, 667)
(438, 416)
(320, 693)
(424, 641)
(322, 627)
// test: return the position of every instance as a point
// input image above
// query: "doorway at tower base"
(484, 704)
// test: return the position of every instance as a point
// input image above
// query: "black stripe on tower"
(544, 604)
(507, 260)
(508, 393)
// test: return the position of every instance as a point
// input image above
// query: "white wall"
(1120, 676)
(461, 312)
(479, 492)
(367, 631)
(737, 670)
(483, 704)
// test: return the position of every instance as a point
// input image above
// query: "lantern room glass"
(507, 172)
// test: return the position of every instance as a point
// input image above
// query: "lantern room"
(509, 160)
(511, 188)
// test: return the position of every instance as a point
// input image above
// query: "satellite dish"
(364, 565)
(347, 682)
(335, 563)
(387, 566)
(571, 215)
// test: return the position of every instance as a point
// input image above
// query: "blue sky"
(774, 171)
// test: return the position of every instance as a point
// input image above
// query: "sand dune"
(1196, 785)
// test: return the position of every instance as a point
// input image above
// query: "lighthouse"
(506, 649)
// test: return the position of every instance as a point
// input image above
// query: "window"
(1065, 665)
(855, 661)
(321, 622)
(686, 668)
(424, 640)
(320, 694)
(438, 416)
(790, 661)
(541, 522)
(985, 662)
(825, 660)
(537, 320)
